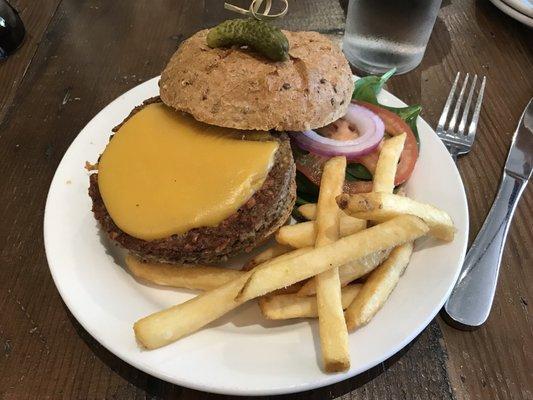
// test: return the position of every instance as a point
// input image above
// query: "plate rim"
(515, 14)
(329, 378)
(521, 7)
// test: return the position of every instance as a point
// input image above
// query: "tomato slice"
(394, 125)
(311, 165)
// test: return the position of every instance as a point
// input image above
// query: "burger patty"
(253, 223)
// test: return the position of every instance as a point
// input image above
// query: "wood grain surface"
(78, 56)
(12, 72)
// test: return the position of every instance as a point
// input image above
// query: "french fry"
(199, 277)
(291, 289)
(196, 277)
(308, 211)
(359, 268)
(350, 272)
(383, 279)
(297, 235)
(167, 326)
(383, 179)
(304, 234)
(287, 306)
(378, 287)
(350, 225)
(401, 191)
(274, 275)
(383, 206)
(331, 323)
(273, 251)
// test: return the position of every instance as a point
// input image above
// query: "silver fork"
(455, 138)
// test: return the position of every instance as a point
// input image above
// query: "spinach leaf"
(409, 114)
(367, 88)
(307, 191)
(356, 171)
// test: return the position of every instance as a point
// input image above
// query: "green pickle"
(258, 35)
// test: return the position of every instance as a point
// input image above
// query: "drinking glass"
(383, 34)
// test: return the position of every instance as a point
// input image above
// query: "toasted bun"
(237, 88)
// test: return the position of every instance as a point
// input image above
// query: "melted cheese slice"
(164, 173)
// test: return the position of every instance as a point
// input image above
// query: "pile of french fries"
(340, 266)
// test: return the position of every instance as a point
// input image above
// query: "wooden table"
(80, 55)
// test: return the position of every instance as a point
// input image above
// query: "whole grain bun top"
(237, 88)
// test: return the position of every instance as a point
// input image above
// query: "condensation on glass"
(382, 34)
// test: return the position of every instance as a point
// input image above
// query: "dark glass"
(11, 30)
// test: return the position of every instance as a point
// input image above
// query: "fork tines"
(455, 136)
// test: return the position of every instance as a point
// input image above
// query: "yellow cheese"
(164, 173)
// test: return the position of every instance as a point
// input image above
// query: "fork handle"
(469, 305)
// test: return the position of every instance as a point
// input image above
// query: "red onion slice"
(369, 126)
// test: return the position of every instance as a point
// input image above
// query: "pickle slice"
(259, 35)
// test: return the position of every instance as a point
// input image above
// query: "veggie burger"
(206, 171)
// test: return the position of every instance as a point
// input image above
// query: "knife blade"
(469, 304)
(520, 159)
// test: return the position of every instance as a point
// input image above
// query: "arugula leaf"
(367, 88)
(356, 171)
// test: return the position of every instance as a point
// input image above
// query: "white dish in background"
(515, 13)
(242, 353)
(522, 6)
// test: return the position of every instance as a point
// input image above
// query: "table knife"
(469, 305)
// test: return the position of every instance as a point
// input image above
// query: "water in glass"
(382, 34)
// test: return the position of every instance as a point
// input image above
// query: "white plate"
(241, 354)
(507, 8)
(522, 6)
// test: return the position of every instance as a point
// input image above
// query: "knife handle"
(469, 305)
